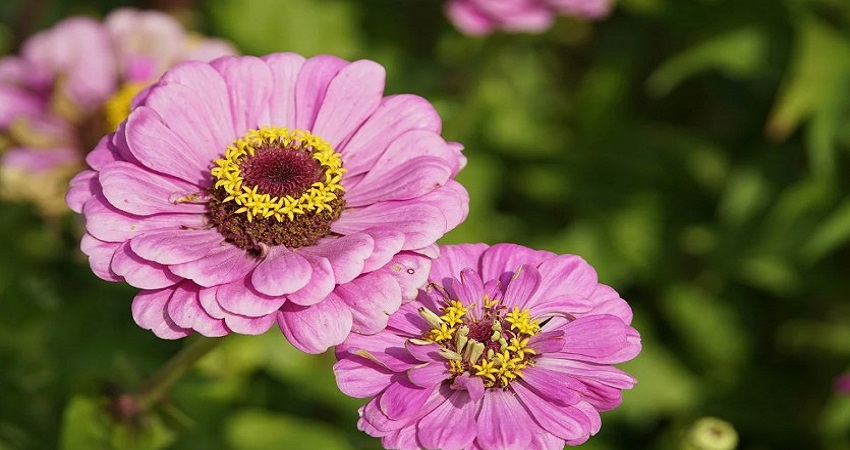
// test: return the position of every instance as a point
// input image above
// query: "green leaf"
(709, 328)
(747, 193)
(308, 27)
(85, 425)
(819, 69)
(264, 430)
(830, 234)
(737, 54)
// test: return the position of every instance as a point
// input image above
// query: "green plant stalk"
(154, 388)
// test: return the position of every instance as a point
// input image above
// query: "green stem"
(155, 387)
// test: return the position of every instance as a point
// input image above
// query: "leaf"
(85, 425)
(819, 68)
(830, 234)
(737, 54)
(709, 328)
(255, 429)
(308, 27)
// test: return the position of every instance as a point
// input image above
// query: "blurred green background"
(694, 151)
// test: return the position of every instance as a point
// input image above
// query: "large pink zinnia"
(71, 85)
(480, 17)
(506, 348)
(252, 191)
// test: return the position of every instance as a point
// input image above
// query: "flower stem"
(154, 388)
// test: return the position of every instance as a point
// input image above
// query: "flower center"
(493, 346)
(117, 108)
(276, 186)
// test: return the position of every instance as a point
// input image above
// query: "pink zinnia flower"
(252, 191)
(481, 17)
(71, 85)
(506, 348)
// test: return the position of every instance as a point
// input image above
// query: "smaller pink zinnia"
(72, 84)
(506, 348)
(481, 17)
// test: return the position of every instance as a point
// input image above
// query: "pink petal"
(79, 49)
(372, 298)
(149, 313)
(429, 374)
(160, 149)
(384, 348)
(564, 422)
(186, 312)
(281, 272)
(387, 243)
(402, 399)
(224, 264)
(552, 386)
(502, 258)
(360, 378)
(502, 422)
(594, 336)
(608, 375)
(82, 188)
(607, 301)
(240, 298)
(468, 289)
(469, 19)
(450, 425)
(284, 68)
(413, 179)
(192, 99)
(313, 329)
(139, 272)
(522, 286)
(565, 274)
(377, 423)
(454, 258)
(249, 85)
(100, 257)
(347, 254)
(547, 342)
(472, 384)
(174, 245)
(421, 224)
(321, 283)
(396, 115)
(310, 87)
(137, 191)
(110, 224)
(207, 300)
(249, 325)
(417, 143)
(410, 271)
(408, 321)
(452, 200)
(103, 153)
(425, 352)
(353, 94)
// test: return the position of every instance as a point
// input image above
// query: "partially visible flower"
(481, 17)
(710, 433)
(506, 348)
(73, 84)
(249, 192)
(842, 383)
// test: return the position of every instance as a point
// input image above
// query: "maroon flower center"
(281, 171)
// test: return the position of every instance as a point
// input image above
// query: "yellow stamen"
(117, 108)
(255, 204)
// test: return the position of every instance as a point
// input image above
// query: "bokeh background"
(694, 151)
